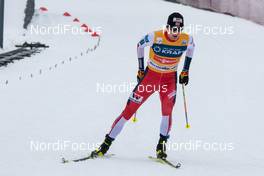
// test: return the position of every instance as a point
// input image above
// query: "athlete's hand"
(184, 77)
(140, 75)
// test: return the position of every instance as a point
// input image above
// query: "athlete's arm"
(145, 41)
(184, 76)
(189, 54)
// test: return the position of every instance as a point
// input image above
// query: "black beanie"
(174, 18)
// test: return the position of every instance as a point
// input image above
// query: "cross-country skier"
(166, 49)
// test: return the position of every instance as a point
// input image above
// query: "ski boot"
(104, 147)
(161, 147)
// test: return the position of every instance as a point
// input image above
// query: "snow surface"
(224, 96)
(13, 23)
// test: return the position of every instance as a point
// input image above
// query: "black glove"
(184, 77)
(140, 75)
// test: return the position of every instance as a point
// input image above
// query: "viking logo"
(157, 49)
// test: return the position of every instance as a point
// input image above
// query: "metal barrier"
(2, 5)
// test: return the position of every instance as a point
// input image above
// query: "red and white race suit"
(160, 76)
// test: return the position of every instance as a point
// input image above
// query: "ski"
(63, 160)
(162, 161)
(165, 161)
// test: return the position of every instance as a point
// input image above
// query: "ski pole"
(134, 119)
(185, 107)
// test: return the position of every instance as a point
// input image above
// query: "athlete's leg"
(167, 98)
(139, 95)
